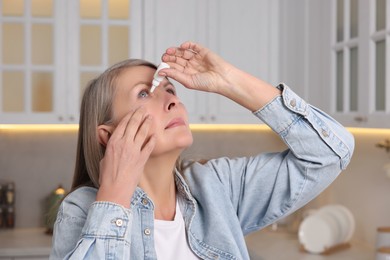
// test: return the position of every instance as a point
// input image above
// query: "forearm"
(247, 90)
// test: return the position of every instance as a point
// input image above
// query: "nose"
(171, 105)
(171, 102)
(168, 99)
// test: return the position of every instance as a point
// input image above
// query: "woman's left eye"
(143, 94)
(171, 91)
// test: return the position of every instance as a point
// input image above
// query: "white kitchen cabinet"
(359, 62)
(51, 49)
(244, 34)
(79, 39)
(341, 48)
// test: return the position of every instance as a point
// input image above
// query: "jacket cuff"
(278, 115)
(107, 220)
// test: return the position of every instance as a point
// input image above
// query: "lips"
(175, 123)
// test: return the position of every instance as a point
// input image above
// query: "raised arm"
(197, 67)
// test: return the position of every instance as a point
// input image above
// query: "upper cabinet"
(344, 54)
(335, 54)
(50, 49)
(360, 62)
(28, 62)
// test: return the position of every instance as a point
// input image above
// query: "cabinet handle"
(61, 118)
(202, 118)
(71, 118)
(360, 119)
(213, 118)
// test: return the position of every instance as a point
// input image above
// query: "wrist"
(114, 195)
(248, 91)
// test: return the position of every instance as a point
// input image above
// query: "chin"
(176, 145)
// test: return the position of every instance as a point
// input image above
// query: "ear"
(104, 133)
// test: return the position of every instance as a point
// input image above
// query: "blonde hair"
(96, 109)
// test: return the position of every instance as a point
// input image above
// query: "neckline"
(176, 219)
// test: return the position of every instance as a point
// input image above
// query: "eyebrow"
(149, 84)
(142, 83)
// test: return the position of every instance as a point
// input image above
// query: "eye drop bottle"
(157, 78)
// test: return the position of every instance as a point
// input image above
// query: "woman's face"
(170, 119)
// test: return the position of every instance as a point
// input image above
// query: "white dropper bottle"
(157, 78)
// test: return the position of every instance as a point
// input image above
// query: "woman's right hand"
(197, 67)
(127, 151)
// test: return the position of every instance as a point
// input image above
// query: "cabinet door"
(51, 49)
(347, 70)
(29, 69)
(244, 34)
(170, 23)
(102, 33)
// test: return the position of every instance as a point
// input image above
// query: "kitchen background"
(332, 53)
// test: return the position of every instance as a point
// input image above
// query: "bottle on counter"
(7, 204)
(1, 195)
(2, 217)
(10, 194)
(10, 217)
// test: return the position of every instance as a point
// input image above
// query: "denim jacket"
(222, 200)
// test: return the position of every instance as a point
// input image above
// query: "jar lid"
(383, 229)
(385, 250)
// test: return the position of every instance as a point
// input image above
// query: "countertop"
(270, 245)
(32, 242)
(262, 245)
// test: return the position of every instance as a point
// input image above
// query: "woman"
(131, 200)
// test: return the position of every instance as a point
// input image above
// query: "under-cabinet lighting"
(369, 131)
(38, 127)
(194, 127)
(74, 127)
(229, 127)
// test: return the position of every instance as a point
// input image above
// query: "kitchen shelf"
(268, 245)
(32, 243)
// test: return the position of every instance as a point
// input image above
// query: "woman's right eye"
(143, 94)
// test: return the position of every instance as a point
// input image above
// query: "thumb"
(180, 77)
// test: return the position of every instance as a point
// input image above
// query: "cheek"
(121, 107)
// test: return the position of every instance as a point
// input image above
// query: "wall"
(40, 160)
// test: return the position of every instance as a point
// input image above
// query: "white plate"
(345, 220)
(316, 233)
(327, 227)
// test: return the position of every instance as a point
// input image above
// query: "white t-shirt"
(170, 239)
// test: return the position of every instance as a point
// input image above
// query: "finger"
(121, 127)
(179, 76)
(134, 124)
(191, 46)
(174, 61)
(147, 149)
(143, 132)
(181, 52)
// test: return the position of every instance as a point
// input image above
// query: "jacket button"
(147, 231)
(324, 133)
(119, 222)
(144, 201)
(293, 102)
